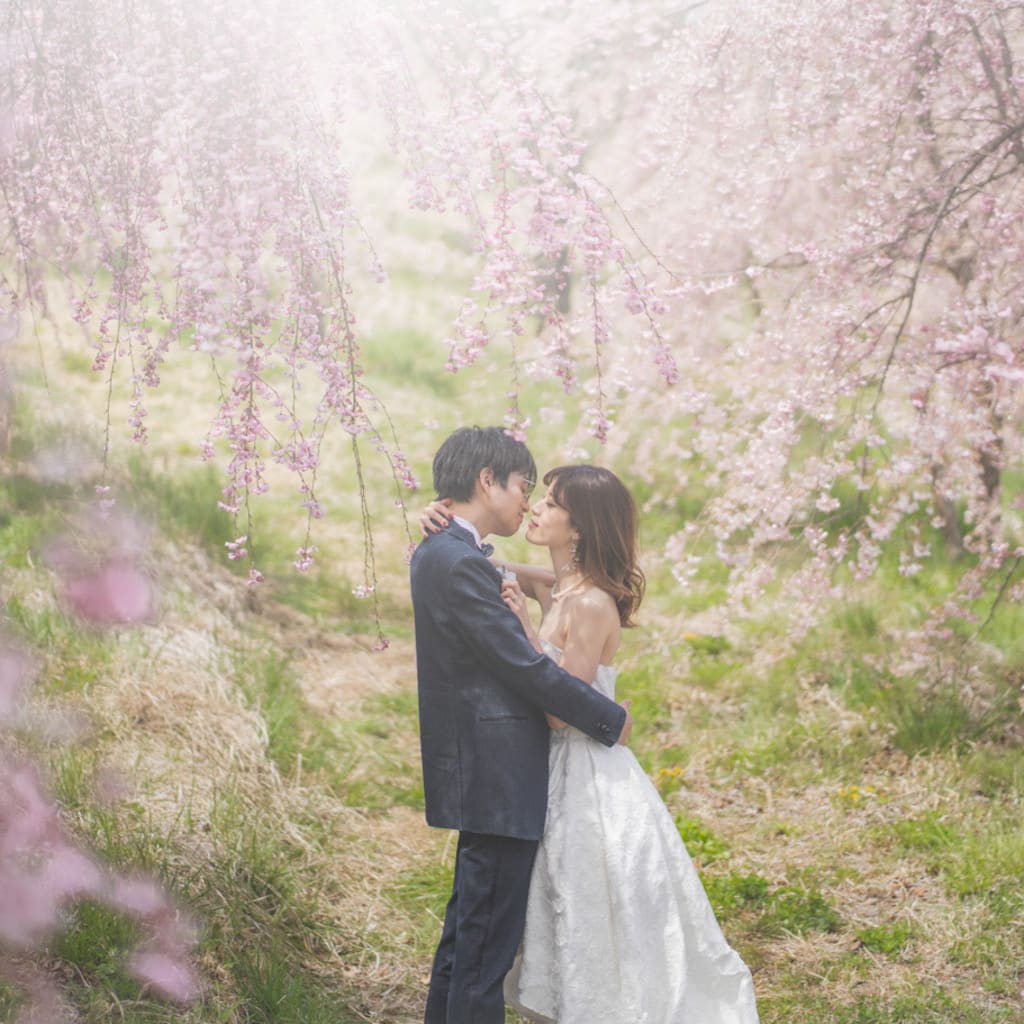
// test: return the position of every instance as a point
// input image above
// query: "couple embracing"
(573, 896)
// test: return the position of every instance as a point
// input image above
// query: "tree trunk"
(947, 510)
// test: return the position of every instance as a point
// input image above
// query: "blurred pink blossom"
(169, 976)
(140, 896)
(67, 872)
(118, 593)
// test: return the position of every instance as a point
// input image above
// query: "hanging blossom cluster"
(839, 212)
(827, 195)
(507, 158)
(185, 171)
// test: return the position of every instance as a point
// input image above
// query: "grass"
(380, 767)
(277, 994)
(887, 939)
(248, 880)
(988, 858)
(97, 941)
(930, 833)
(702, 844)
(794, 910)
(266, 679)
(185, 503)
(10, 1002)
(26, 511)
(72, 658)
(857, 829)
(926, 1005)
(937, 721)
(422, 892)
(770, 911)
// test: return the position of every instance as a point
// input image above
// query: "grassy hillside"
(860, 834)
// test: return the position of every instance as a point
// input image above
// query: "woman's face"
(549, 524)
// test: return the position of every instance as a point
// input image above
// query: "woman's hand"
(434, 518)
(512, 594)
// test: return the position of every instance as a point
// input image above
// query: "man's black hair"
(469, 450)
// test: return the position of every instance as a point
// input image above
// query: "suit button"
(603, 727)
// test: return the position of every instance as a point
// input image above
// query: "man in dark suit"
(483, 692)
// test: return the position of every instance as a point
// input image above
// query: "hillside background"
(859, 834)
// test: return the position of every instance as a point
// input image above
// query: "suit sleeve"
(492, 630)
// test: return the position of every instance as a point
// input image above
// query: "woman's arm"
(590, 621)
(434, 518)
(512, 594)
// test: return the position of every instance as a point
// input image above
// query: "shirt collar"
(468, 526)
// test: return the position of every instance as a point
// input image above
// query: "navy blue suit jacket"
(483, 691)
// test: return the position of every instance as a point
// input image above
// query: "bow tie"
(487, 549)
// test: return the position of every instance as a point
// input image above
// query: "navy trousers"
(483, 927)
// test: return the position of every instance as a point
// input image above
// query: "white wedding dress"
(618, 927)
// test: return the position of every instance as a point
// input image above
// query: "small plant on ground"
(888, 939)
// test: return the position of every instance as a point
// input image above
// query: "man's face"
(509, 504)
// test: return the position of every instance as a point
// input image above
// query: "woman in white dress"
(618, 927)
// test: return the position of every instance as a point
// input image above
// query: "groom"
(483, 691)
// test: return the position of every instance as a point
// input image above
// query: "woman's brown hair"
(604, 515)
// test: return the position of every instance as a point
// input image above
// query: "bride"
(618, 927)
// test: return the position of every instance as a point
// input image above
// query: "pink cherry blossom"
(140, 896)
(687, 215)
(116, 594)
(166, 975)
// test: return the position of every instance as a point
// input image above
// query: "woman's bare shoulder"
(591, 600)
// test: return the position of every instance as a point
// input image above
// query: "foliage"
(887, 939)
(703, 846)
(176, 225)
(840, 252)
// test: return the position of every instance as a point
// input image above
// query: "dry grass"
(174, 712)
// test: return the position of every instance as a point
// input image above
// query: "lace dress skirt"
(619, 929)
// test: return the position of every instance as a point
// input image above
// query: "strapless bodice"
(604, 678)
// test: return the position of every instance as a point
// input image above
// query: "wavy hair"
(605, 516)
